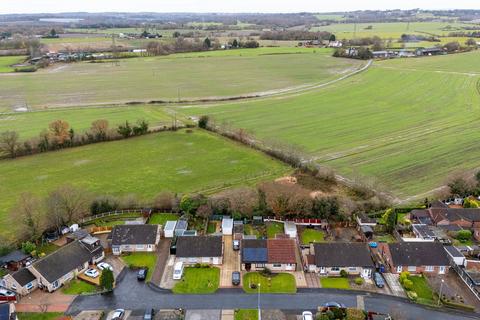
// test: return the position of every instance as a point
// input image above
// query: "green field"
(173, 161)
(30, 124)
(403, 124)
(6, 62)
(184, 76)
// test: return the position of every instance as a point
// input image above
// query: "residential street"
(132, 295)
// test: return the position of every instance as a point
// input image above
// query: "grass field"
(198, 281)
(184, 76)
(6, 62)
(403, 124)
(276, 283)
(30, 124)
(173, 161)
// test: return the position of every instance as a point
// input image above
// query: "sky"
(233, 6)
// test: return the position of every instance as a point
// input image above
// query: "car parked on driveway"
(92, 273)
(378, 279)
(235, 278)
(118, 314)
(307, 315)
(142, 274)
(6, 293)
(334, 305)
(149, 313)
(236, 245)
(103, 265)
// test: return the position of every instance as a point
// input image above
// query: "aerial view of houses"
(239, 160)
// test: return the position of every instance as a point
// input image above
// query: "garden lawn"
(212, 227)
(39, 316)
(423, 290)
(178, 161)
(198, 281)
(397, 123)
(162, 218)
(76, 287)
(46, 248)
(246, 314)
(279, 283)
(334, 283)
(138, 260)
(312, 235)
(274, 228)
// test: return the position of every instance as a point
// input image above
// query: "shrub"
(408, 284)
(355, 314)
(266, 272)
(412, 295)
(203, 122)
(28, 247)
(404, 276)
(343, 273)
(464, 235)
(359, 281)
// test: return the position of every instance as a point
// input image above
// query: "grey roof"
(181, 225)
(424, 231)
(14, 256)
(170, 225)
(199, 246)
(454, 252)
(23, 276)
(254, 251)
(134, 234)
(65, 260)
(342, 255)
(418, 254)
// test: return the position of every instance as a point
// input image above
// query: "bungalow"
(135, 238)
(273, 254)
(22, 282)
(60, 267)
(330, 259)
(416, 257)
(199, 249)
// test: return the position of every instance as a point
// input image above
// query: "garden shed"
(290, 229)
(169, 231)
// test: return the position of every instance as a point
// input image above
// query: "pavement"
(133, 295)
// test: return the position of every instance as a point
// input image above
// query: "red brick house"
(416, 257)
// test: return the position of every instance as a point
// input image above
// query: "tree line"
(296, 35)
(60, 135)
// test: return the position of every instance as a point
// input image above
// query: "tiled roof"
(418, 254)
(281, 251)
(342, 255)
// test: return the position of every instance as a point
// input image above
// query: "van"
(178, 271)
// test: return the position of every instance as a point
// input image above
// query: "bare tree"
(66, 204)
(165, 201)
(29, 212)
(9, 143)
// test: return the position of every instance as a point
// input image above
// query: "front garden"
(417, 288)
(139, 260)
(269, 283)
(335, 283)
(246, 314)
(198, 280)
(76, 287)
(39, 316)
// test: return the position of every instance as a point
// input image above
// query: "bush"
(203, 122)
(408, 284)
(359, 281)
(266, 272)
(355, 314)
(464, 235)
(28, 247)
(404, 276)
(343, 273)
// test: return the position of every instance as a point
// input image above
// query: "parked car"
(307, 315)
(236, 245)
(235, 278)
(142, 274)
(6, 293)
(178, 271)
(378, 279)
(149, 313)
(118, 314)
(333, 305)
(92, 273)
(103, 265)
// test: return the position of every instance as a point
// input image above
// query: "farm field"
(184, 76)
(173, 161)
(30, 124)
(6, 62)
(404, 125)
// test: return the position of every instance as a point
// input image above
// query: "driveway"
(163, 252)
(394, 284)
(132, 295)
(231, 262)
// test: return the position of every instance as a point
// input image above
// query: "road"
(132, 295)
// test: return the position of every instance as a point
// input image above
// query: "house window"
(14, 287)
(429, 268)
(140, 247)
(277, 265)
(399, 269)
(260, 265)
(335, 269)
(29, 286)
(352, 269)
(412, 268)
(192, 260)
(55, 284)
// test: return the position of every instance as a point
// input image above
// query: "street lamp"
(259, 312)
(440, 295)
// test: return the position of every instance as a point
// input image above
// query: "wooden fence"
(115, 213)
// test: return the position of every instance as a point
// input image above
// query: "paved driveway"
(133, 295)
(231, 262)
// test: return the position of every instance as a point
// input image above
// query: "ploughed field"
(168, 161)
(191, 76)
(404, 124)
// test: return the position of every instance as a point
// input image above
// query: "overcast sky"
(41, 6)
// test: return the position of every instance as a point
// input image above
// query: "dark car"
(142, 274)
(149, 313)
(235, 278)
(334, 305)
(378, 279)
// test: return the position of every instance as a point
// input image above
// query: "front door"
(367, 273)
(441, 270)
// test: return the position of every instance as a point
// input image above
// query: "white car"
(307, 315)
(6, 293)
(92, 273)
(103, 265)
(118, 314)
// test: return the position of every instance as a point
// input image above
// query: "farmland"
(403, 124)
(30, 124)
(174, 161)
(184, 76)
(6, 62)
